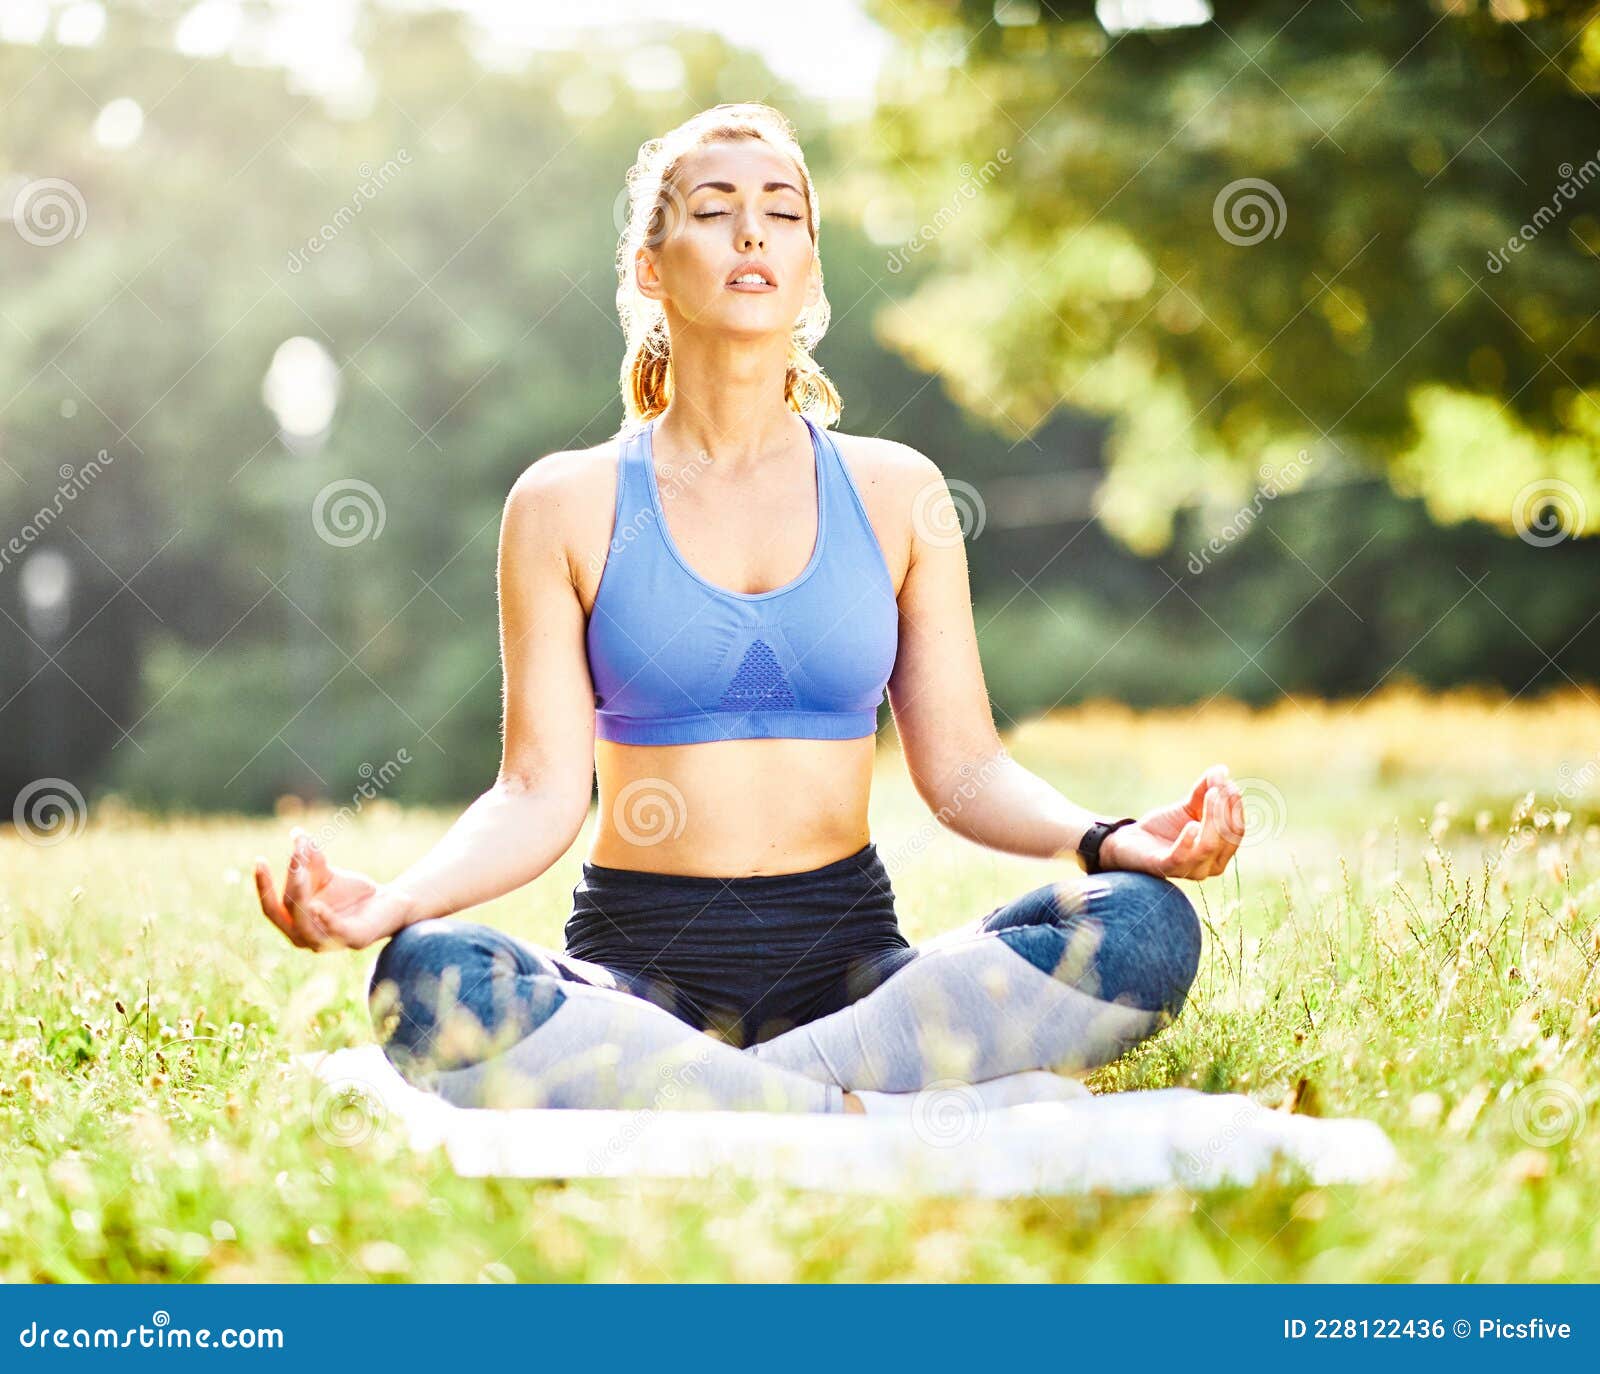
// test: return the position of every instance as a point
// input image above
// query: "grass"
(1409, 936)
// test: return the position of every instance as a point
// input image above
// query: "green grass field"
(1406, 936)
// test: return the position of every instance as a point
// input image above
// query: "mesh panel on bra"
(760, 683)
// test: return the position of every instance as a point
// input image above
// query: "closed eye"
(713, 214)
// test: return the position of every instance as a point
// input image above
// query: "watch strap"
(1094, 837)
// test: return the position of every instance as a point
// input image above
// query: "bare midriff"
(731, 808)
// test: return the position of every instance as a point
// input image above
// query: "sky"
(826, 47)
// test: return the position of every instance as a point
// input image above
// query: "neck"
(727, 398)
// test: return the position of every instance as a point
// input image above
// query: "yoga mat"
(1118, 1142)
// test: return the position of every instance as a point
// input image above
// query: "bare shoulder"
(886, 461)
(561, 506)
(895, 482)
(566, 478)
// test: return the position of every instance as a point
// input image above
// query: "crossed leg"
(1066, 977)
(487, 1020)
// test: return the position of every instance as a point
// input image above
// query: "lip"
(754, 265)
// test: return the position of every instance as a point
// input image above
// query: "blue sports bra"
(676, 659)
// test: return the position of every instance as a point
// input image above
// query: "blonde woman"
(706, 612)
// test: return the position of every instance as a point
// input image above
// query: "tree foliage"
(1282, 232)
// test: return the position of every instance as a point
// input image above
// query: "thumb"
(1183, 846)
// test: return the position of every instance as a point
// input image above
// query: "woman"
(707, 612)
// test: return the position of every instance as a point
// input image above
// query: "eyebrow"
(729, 186)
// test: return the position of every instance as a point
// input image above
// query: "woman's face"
(737, 210)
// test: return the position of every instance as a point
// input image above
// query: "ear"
(814, 282)
(645, 276)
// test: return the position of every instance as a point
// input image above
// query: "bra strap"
(835, 493)
(633, 491)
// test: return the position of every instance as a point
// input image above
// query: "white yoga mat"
(1119, 1142)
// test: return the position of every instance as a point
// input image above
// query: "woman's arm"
(953, 752)
(537, 804)
(530, 816)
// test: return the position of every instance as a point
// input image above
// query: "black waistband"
(865, 860)
(618, 912)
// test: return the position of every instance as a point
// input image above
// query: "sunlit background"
(1258, 346)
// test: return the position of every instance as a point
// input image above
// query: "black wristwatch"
(1094, 837)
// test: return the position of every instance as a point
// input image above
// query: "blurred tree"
(448, 239)
(1361, 228)
(445, 229)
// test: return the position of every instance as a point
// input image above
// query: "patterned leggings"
(779, 992)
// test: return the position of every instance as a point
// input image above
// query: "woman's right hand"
(325, 908)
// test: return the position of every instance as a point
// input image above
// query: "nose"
(749, 233)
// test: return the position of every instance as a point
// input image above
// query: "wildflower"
(1425, 1109)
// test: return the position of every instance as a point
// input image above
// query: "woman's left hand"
(1189, 839)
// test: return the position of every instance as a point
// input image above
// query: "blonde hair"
(654, 208)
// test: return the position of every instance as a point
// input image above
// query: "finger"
(1200, 857)
(316, 860)
(274, 909)
(1233, 824)
(271, 908)
(297, 892)
(1232, 821)
(1226, 831)
(1231, 815)
(292, 883)
(1180, 858)
(310, 919)
(1197, 797)
(299, 887)
(1209, 843)
(321, 870)
(1240, 818)
(319, 916)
